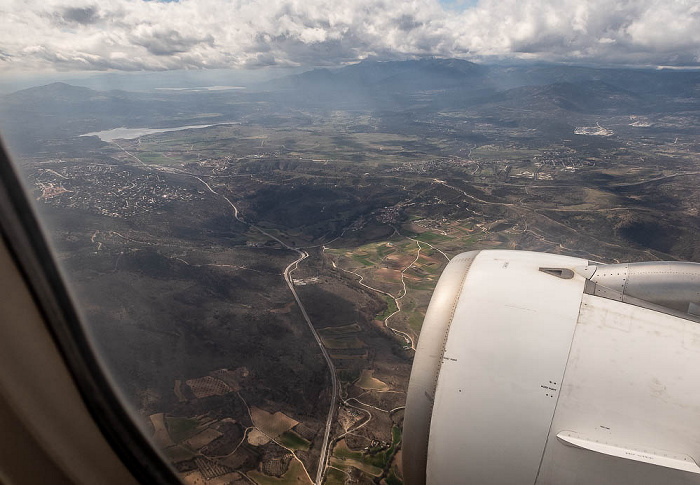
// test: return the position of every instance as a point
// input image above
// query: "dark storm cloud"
(261, 60)
(83, 16)
(296, 51)
(169, 42)
(545, 43)
(407, 22)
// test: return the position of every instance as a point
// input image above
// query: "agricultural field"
(272, 425)
(293, 476)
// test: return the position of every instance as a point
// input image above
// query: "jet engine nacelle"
(538, 368)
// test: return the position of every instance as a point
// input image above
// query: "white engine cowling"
(532, 370)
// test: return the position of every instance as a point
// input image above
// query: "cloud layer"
(191, 34)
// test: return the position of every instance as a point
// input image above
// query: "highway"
(334, 397)
(288, 279)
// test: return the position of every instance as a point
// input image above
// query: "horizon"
(182, 79)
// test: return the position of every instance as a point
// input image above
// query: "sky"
(136, 35)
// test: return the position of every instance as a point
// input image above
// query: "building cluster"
(430, 166)
(107, 189)
(389, 215)
(432, 224)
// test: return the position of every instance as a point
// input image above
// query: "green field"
(181, 428)
(431, 237)
(392, 479)
(422, 285)
(342, 451)
(335, 477)
(361, 465)
(342, 330)
(390, 308)
(178, 453)
(292, 440)
(415, 321)
(362, 259)
(395, 438)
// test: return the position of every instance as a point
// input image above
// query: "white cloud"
(192, 34)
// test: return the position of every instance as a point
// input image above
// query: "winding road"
(334, 396)
(288, 279)
(290, 283)
(406, 337)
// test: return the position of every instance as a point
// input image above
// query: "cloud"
(161, 42)
(84, 16)
(262, 60)
(196, 34)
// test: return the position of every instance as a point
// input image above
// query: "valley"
(257, 287)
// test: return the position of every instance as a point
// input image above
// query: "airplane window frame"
(26, 241)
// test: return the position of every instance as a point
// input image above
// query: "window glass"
(253, 202)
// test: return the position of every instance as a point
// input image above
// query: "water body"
(203, 88)
(131, 133)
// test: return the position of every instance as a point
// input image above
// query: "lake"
(131, 133)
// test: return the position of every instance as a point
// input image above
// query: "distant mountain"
(394, 76)
(33, 117)
(656, 81)
(398, 91)
(51, 92)
(580, 96)
(445, 83)
(61, 99)
(420, 74)
(439, 74)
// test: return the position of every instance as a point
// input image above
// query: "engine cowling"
(530, 369)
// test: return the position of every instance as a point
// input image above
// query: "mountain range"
(59, 110)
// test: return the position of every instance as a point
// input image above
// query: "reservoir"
(131, 133)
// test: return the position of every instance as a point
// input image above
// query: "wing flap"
(677, 461)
